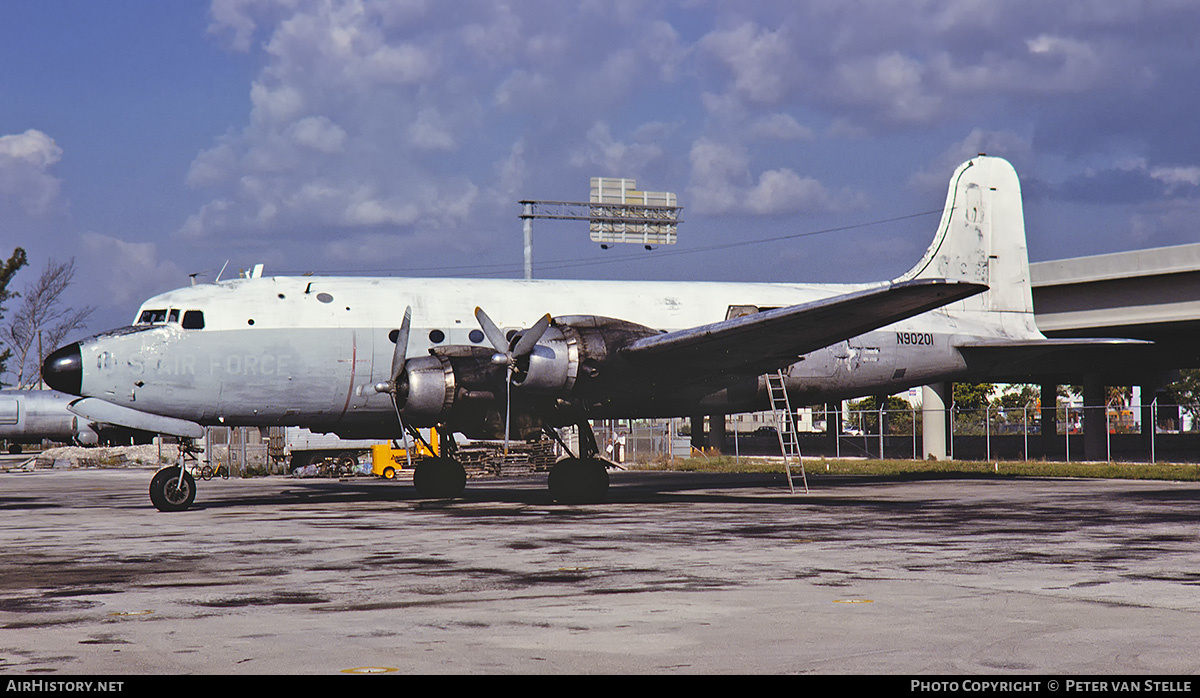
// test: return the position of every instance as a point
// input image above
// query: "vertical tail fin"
(981, 238)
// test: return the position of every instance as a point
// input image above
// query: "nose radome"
(63, 370)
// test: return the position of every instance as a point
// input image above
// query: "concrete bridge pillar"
(1049, 418)
(934, 419)
(716, 432)
(833, 425)
(698, 440)
(1095, 422)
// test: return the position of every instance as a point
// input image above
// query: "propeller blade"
(507, 407)
(530, 337)
(403, 431)
(399, 355)
(494, 334)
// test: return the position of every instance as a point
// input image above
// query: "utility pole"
(616, 213)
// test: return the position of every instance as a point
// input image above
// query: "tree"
(973, 396)
(1185, 392)
(15, 262)
(1018, 396)
(42, 322)
(898, 418)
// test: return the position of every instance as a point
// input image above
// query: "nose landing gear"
(173, 488)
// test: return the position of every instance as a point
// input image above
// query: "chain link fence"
(971, 434)
(995, 432)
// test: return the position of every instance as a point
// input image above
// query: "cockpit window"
(152, 317)
(174, 315)
(193, 320)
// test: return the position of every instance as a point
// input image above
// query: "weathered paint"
(307, 351)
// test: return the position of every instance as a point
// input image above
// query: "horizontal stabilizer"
(1007, 360)
(771, 339)
(97, 410)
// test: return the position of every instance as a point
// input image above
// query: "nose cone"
(63, 370)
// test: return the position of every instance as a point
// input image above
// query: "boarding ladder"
(785, 427)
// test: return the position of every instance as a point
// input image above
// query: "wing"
(766, 341)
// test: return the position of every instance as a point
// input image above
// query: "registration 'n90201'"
(915, 338)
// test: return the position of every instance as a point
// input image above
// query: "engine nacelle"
(574, 348)
(427, 389)
(553, 365)
(464, 387)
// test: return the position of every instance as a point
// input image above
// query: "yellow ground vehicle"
(386, 460)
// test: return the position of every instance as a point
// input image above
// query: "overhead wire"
(506, 268)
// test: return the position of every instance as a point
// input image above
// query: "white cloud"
(398, 114)
(318, 133)
(430, 131)
(1175, 177)
(781, 127)
(784, 191)
(25, 179)
(760, 60)
(611, 157)
(892, 85)
(722, 183)
(275, 105)
(1005, 144)
(125, 272)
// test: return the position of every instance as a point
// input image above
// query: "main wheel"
(169, 493)
(575, 481)
(439, 478)
(347, 463)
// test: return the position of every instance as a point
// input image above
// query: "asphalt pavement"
(678, 574)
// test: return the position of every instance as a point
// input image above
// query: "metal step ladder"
(785, 427)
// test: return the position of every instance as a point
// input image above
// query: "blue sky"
(150, 140)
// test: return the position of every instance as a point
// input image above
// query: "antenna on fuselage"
(221, 272)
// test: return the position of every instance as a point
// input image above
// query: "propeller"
(507, 354)
(399, 358)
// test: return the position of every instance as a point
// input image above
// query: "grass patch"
(831, 466)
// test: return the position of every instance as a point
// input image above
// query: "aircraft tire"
(575, 481)
(347, 463)
(439, 478)
(166, 493)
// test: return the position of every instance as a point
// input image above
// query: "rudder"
(981, 239)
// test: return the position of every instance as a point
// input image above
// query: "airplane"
(380, 357)
(34, 416)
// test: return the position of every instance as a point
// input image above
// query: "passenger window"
(193, 320)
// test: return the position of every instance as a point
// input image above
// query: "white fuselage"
(306, 351)
(315, 351)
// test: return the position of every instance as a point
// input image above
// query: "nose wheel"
(172, 489)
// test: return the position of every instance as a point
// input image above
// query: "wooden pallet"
(486, 458)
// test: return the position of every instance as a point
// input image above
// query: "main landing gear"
(573, 480)
(439, 478)
(582, 480)
(442, 477)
